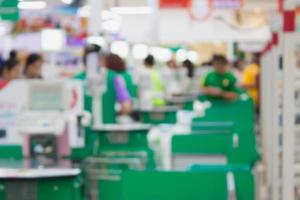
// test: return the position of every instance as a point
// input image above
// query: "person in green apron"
(120, 90)
(220, 83)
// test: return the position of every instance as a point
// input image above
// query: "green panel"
(202, 144)
(136, 140)
(223, 127)
(79, 154)
(11, 151)
(169, 117)
(78, 192)
(9, 10)
(243, 177)
(109, 190)
(240, 112)
(2, 191)
(245, 185)
(149, 185)
(55, 188)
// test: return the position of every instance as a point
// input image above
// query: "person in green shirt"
(220, 83)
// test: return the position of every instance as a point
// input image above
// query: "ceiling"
(110, 3)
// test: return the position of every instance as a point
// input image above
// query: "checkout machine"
(117, 145)
(41, 120)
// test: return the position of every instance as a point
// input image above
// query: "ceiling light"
(193, 56)
(67, 1)
(140, 10)
(181, 55)
(140, 51)
(120, 48)
(96, 40)
(32, 5)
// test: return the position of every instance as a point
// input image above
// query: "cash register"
(47, 124)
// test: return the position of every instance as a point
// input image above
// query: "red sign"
(174, 3)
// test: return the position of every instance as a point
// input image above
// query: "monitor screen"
(46, 96)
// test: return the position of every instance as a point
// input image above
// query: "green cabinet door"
(56, 188)
(2, 191)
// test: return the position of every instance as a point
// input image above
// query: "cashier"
(220, 83)
(33, 66)
(119, 82)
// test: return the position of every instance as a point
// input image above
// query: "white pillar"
(154, 22)
(95, 20)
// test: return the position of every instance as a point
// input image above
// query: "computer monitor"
(46, 96)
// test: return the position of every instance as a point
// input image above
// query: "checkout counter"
(45, 120)
(184, 102)
(159, 115)
(21, 180)
(117, 148)
(44, 126)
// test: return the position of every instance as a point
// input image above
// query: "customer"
(173, 78)
(190, 68)
(9, 71)
(33, 66)
(149, 83)
(89, 49)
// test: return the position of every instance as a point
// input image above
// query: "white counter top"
(6, 173)
(122, 127)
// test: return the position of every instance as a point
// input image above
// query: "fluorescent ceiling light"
(96, 40)
(140, 51)
(67, 1)
(120, 48)
(161, 54)
(181, 55)
(32, 5)
(57, 38)
(140, 10)
(193, 56)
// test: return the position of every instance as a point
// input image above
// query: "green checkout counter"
(159, 115)
(185, 102)
(117, 148)
(237, 117)
(38, 183)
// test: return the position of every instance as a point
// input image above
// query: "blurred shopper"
(220, 83)
(89, 49)
(173, 78)
(191, 82)
(149, 84)
(190, 68)
(33, 66)
(10, 70)
(250, 79)
(13, 55)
